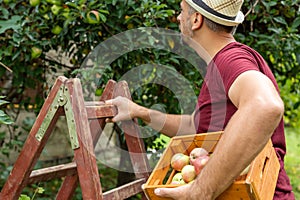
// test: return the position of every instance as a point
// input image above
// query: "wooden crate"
(259, 183)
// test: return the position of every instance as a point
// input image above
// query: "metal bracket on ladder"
(62, 98)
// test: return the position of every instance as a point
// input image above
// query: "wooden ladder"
(85, 121)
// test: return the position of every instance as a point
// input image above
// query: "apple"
(179, 160)
(43, 9)
(55, 9)
(93, 17)
(177, 179)
(197, 152)
(35, 52)
(66, 12)
(199, 163)
(188, 173)
(144, 97)
(56, 30)
(6, 1)
(54, 2)
(34, 2)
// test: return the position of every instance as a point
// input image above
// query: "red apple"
(188, 173)
(93, 17)
(179, 160)
(199, 163)
(177, 179)
(197, 152)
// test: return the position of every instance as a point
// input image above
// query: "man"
(239, 95)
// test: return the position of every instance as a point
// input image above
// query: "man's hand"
(125, 109)
(180, 193)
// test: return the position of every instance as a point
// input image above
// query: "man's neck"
(212, 42)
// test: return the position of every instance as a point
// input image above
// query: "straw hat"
(225, 12)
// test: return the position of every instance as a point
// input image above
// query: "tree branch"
(7, 68)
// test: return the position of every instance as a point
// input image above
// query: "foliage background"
(73, 28)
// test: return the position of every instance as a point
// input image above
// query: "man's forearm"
(168, 124)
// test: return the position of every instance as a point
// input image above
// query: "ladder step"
(125, 191)
(98, 109)
(50, 173)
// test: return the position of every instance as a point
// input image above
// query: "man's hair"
(213, 25)
(218, 27)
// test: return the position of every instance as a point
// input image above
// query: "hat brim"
(238, 20)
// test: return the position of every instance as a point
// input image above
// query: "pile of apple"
(188, 166)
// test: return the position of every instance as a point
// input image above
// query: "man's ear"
(197, 21)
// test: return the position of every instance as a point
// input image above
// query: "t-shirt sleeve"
(233, 65)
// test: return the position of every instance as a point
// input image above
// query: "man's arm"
(167, 124)
(260, 109)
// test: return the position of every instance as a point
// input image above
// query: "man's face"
(184, 19)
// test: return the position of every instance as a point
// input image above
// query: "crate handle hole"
(264, 166)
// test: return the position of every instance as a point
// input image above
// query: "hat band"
(210, 10)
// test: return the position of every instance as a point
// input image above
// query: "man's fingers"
(109, 120)
(173, 193)
(109, 102)
(164, 192)
(116, 101)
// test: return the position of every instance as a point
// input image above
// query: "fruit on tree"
(93, 17)
(54, 2)
(56, 29)
(179, 160)
(6, 1)
(34, 2)
(188, 173)
(55, 9)
(43, 9)
(66, 12)
(144, 97)
(35, 52)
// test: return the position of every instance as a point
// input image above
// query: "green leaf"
(24, 197)
(280, 20)
(5, 13)
(4, 118)
(104, 11)
(103, 17)
(296, 23)
(12, 23)
(3, 102)
(276, 30)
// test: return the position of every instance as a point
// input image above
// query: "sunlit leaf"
(13, 23)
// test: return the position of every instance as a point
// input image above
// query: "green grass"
(292, 159)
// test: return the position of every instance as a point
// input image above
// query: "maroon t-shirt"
(214, 108)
